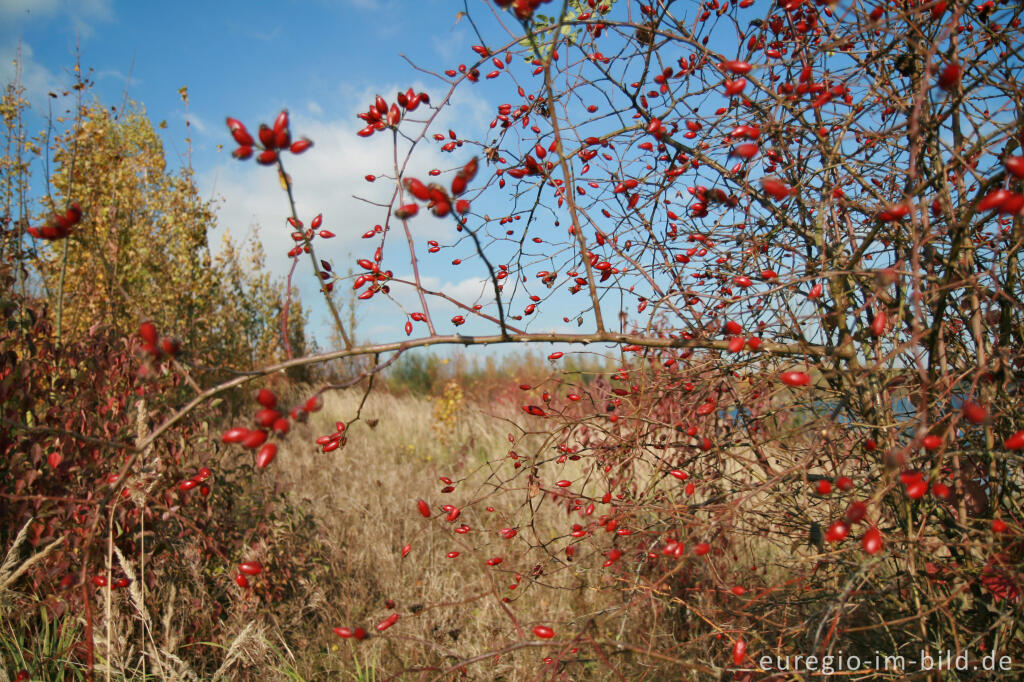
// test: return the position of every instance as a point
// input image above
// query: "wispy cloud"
(114, 74)
(37, 79)
(327, 180)
(81, 14)
(84, 14)
(18, 65)
(198, 123)
(20, 10)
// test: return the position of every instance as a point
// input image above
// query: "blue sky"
(323, 60)
(250, 58)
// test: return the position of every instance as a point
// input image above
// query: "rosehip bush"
(89, 512)
(794, 230)
(67, 482)
(801, 231)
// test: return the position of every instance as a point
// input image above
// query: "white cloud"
(35, 78)
(18, 10)
(81, 14)
(198, 124)
(470, 291)
(114, 74)
(85, 13)
(327, 179)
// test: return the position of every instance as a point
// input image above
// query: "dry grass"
(364, 497)
(357, 506)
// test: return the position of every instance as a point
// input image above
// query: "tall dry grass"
(364, 499)
(349, 512)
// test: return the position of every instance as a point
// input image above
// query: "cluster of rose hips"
(268, 419)
(301, 234)
(156, 346)
(381, 116)
(1001, 199)
(247, 568)
(439, 201)
(360, 633)
(523, 9)
(197, 481)
(374, 275)
(272, 140)
(101, 581)
(59, 225)
(332, 441)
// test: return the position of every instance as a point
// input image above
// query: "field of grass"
(364, 500)
(342, 518)
(343, 544)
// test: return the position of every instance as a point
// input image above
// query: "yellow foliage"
(141, 250)
(446, 412)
